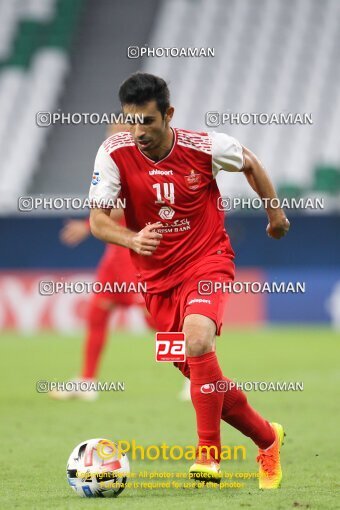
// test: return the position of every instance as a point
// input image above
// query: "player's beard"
(159, 148)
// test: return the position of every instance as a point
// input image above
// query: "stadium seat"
(33, 66)
(327, 179)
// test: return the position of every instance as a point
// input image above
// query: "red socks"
(235, 411)
(97, 322)
(239, 414)
(208, 406)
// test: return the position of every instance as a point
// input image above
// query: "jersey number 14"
(168, 192)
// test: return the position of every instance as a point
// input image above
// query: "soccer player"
(114, 266)
(176, 236)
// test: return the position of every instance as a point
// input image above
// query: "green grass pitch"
(38, 434)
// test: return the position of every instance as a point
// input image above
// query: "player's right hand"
(147, 240)
(74, 232)
(278, 228)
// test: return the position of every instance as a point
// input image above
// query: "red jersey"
(180, 191)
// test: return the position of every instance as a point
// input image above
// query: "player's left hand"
(278, 228)
(74, 232)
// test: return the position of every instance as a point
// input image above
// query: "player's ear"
(169, 114)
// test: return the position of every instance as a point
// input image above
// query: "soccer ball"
(96, 468)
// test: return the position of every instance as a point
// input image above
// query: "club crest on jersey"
(95, 178)
(192, 180)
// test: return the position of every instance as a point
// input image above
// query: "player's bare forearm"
(260, 182)
(105, 228)
(116, 214)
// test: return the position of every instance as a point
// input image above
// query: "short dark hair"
(140, 88)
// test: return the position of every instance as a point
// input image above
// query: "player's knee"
(198, 345)
(199, 333)
(199, 341)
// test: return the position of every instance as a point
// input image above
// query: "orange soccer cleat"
(270, 472)
(206, 469)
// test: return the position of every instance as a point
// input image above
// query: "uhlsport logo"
(208, 388)
(155, 171)
(170, 347)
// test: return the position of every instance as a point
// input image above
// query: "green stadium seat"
(290, 191)
(327, 179)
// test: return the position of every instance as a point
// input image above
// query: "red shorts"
(168, 309)
(116, 267)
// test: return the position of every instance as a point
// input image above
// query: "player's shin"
(97, 323)
(204, 372)
(238, 413)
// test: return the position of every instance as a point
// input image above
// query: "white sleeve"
(227, 153)
(105, 185)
